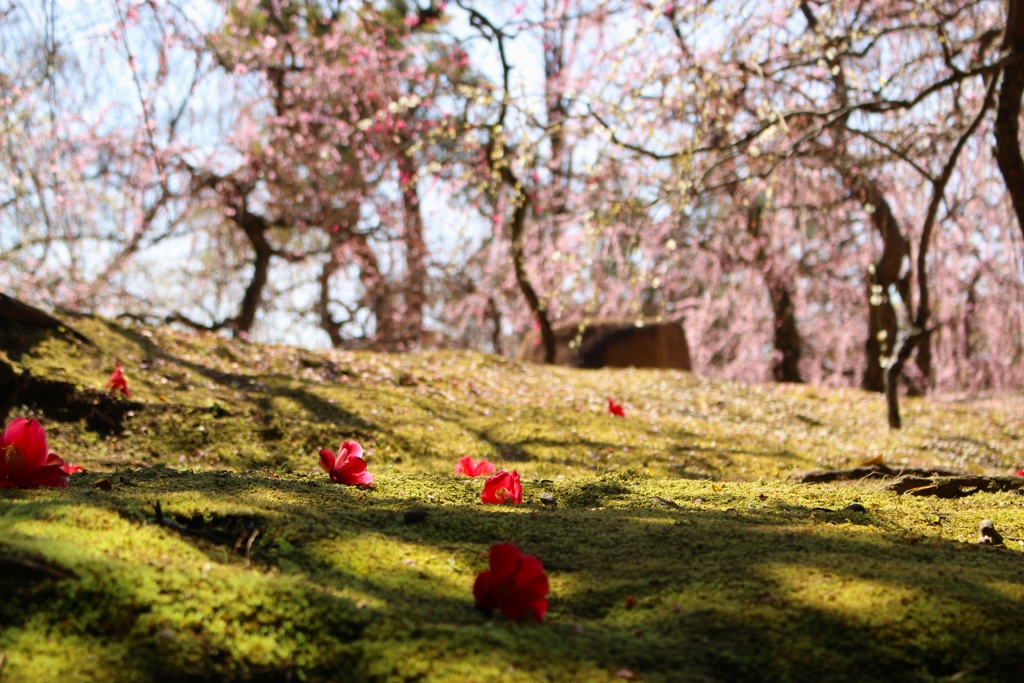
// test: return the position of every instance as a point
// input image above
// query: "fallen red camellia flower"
(348, 467)
(467, 467)
(515, 584)
(616, 408)
(501, 487)
(1019, 472)
(118, 382)
(25, 458)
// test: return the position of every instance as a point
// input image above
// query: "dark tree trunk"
(327, 323)
(547, 335)
(924, 310)
(522, 206)
(786, 341)
(378, 296)
(492, 312)
(969, 310)
(255, 229)
(341, 226)
(882, 324)
(1007, 131)
(892, 378)
(786, 366)
(415, 253)
(923, 361)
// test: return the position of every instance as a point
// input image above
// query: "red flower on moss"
(348, 466)
(118, 382)
(616, 408)
(1019, 472)
(501, 487)
(515, 584)
(467, 467)
(25, 458)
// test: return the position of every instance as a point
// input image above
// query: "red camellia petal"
(25, 458)
(515, 491)
(30, 436)
(352, 472)
(352, 448)
(516, 584)
(348, 466)
(501, 487)
(482, 592)
(504, 562)
(50, 475)
(118, 382)
(327, 460)
(467, 467)
(615, 408)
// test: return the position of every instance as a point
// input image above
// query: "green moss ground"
(677, 550)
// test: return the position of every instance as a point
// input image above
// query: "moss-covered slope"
(675, 548)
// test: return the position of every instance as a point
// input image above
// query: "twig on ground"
(248, 545)
(955, 486)
(171, 523)
(869, 472)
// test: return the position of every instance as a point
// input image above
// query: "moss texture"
(676, 550)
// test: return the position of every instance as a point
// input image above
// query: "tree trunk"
(786, 341)
(892, 378)
(547, 334)
(924, 310)
(341, 225)
(378, 296)
(521, 200)
(1007, 131)
(415, 253)
(255, 228)
(786, 366)
(882, 324)
(923, 361)
(327, 323)
(492, 312)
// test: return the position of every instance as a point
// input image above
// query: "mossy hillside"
(200, 401)
(657, 572)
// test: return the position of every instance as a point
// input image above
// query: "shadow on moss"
(784, 594)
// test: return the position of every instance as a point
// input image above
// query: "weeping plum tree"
(345, 99)
(310, 124)
(877, 100)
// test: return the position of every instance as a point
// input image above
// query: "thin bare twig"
(248, 545)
